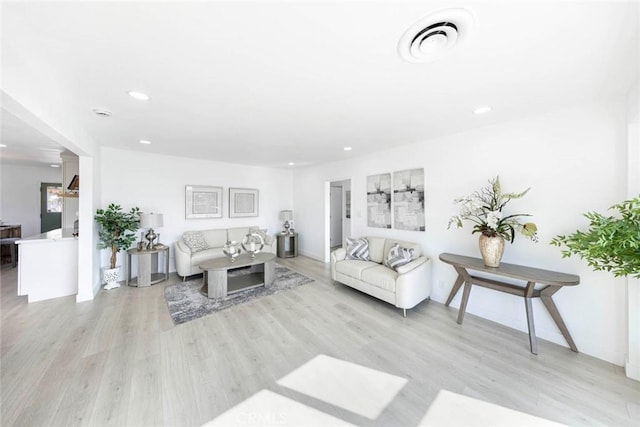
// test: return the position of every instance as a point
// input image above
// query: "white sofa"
(404, 288)
(187, 261)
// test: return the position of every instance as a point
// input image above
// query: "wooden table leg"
(454, 290)
(545, 296)
(533, 342)
(463, 304)
(463, 276)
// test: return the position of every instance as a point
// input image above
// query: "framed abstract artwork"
(243, 202)
(408, 200)
(202, 201)
(379, 200)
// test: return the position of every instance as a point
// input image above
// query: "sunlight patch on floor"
(361, 390)
(452, 410)
(267, 408)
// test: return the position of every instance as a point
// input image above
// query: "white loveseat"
(188, 260)
(404, 288)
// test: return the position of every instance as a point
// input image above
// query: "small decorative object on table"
(286, 216)
(149, 221)
(252, 244)
(484, 209)
(231, 249)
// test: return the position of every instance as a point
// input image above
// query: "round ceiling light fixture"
(435, 35)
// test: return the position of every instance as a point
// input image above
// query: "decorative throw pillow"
(195, 242)
(358, 249)
(398, 256)
(262, 232)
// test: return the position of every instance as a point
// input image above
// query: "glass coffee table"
(218, 283)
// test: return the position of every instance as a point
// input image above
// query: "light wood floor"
(119, 360)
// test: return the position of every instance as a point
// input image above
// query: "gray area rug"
(186, 303)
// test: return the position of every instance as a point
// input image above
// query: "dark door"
(50, 206)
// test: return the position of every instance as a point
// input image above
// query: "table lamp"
(149, 221)
(286, 216)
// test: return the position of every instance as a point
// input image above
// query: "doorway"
(338, 214)
(335, 217)
(50, 206)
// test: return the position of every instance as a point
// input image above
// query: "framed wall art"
(203, 201)
(243, 202)
(408, 200)
(379, 200)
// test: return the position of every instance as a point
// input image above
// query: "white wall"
(632, 363)
(575, 161)
(156, 183)
(20, 194)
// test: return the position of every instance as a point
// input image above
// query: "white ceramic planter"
(110, 277)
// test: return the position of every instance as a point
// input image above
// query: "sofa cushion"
(398, 256)
(215, 238)
(237, 234)
(206, 255)
(417, 250)
(194, 241)
(376, 249)
(381, 277)
(354, 268)
(358, 249)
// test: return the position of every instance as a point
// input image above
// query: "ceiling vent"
(102, 112)
(435, 35)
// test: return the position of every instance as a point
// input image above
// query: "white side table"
(148, 273)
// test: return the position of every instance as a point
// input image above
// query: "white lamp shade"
(286, 215)
(151, 220)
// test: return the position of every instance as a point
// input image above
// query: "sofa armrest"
(182, 258)
(413, 264)
(414, 285)
(339, 254)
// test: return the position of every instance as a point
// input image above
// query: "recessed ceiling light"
(102, 112)
(291, 163)
(55, 166)
(482, 110)
(3, 146)
(348, 148)
(138, 95)
(144, 141)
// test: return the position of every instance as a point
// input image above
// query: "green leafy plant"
(484, 209)
(117, 230)
(612, 243)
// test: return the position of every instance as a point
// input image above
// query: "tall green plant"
(611, 243)
(117, 230)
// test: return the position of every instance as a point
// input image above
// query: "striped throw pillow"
(398, 256)
(358, 249)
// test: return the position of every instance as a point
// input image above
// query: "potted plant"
(117, 232)
(484, 209)
(612, 243)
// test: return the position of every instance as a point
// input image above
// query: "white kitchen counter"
(51, 236)
(48, 265)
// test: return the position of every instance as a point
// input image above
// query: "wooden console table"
(552, 280)
(148, 272)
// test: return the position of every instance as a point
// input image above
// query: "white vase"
(110, 277)
(491, 249)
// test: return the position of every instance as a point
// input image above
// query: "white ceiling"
(25, 145)
(272, 82)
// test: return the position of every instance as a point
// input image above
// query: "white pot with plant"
(117, 232)
(484, 208)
